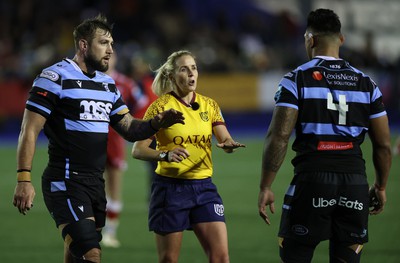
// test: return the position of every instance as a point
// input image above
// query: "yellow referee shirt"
(195, 135)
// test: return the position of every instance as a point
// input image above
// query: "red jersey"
(137, 102)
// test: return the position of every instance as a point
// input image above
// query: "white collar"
(328, 58)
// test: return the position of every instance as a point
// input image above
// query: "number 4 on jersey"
(342, 107)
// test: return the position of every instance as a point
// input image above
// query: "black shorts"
(73, 199)
(322, 206)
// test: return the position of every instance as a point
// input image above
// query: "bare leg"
(168, 247)
(213, 237)
(67, 254)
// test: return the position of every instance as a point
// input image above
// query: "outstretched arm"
(274, 152)
(225, 140)
(132, 129)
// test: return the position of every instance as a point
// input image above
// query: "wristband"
(23, 175)
(23, 170)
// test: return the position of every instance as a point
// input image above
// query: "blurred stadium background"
(243, 48)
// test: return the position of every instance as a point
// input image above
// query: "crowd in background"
(233, 37)
(225, 35)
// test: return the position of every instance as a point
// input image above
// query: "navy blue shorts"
(177, 204)
(70, 200)
(322, 206)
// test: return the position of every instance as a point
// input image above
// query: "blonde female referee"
(183, 194)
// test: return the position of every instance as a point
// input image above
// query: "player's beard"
(91, 62)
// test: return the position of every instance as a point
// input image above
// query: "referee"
(331, 105)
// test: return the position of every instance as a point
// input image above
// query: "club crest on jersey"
(317, 75)
(105, 86)
(204, 116)
(49, 74)
(219, 209)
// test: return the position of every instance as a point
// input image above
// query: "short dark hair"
(323, 21)
(88, 27)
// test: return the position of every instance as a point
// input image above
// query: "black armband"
(23, 170)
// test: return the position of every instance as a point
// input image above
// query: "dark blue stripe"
(88, 94)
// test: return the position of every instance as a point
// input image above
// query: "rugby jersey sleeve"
(377, 106)
(151, 111)
(287, 93)
(217, 118)
(119, 108)
(45, 92)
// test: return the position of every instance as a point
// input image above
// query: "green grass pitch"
(33, 238)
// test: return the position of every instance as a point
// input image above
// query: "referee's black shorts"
(320, 206)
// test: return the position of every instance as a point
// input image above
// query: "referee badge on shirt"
(204, 116)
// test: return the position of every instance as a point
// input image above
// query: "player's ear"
(172, 79)
(341, 38)
(313, 41)
(83, 44)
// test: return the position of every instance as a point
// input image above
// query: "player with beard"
(75, 102)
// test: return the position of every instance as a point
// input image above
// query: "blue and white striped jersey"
(335, 102)
(78, 110)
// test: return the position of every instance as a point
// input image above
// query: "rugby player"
(74, 101)
(331, 105)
